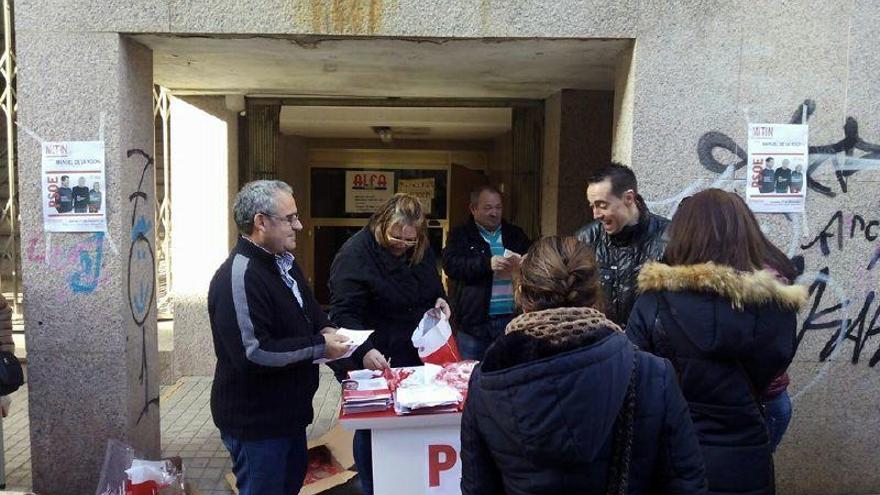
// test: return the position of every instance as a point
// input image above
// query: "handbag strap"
(622, 439)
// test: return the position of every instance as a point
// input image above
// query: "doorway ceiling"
(382, 67)
(404, 122)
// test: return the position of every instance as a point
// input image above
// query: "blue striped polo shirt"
(501, 301)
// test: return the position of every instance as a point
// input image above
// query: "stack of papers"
(364, 392)
(426, 399)
(419, 392)
(411, 390)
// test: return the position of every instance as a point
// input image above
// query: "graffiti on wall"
(858, 330)
(82, 263)
(831, 309)
(843, 229)
(836, 236)
(141, 271)
(840, 156)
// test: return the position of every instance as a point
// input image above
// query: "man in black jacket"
(268, 329)
(768, 177)
(64, 196)
(783, 178)
(624, 235)
(479, 257)
(80, 196)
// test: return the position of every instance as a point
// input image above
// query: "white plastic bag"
(433, 339)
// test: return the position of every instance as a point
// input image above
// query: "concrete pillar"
(624, 97)
(262, 143)
(90, 306)
(550, 165)
(204, 180)
(578, 135)
(293, 168)
(525, 186)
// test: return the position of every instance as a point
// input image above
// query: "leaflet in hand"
(355, 339)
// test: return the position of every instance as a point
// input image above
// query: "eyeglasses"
(292, 219)
(402, 242)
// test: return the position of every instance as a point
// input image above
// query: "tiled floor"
(187, 431)
(17, 442)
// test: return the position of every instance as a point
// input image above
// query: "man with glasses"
(268, 329)
(624, 235)
(479, 258)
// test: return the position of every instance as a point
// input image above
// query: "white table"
(413, 454)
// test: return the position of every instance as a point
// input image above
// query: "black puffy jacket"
(371, 289)
(466, 260)
(540, 417)
(728, 334)
(621, 256)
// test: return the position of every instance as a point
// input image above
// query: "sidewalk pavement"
(187, 431)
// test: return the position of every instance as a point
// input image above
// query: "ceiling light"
(384, 134)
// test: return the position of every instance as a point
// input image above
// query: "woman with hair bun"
(564, 403)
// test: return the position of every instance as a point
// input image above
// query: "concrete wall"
(697, 86)
(700, 71)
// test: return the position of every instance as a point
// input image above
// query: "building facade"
(528, 94)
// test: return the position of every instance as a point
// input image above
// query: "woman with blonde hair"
(719, 312)
(564, 403)
(384, 278)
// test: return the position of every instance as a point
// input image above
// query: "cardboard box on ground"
(330, 460)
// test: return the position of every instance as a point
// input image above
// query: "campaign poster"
(73, 186)
(777, 168)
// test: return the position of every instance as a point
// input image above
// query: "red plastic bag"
(433, 339)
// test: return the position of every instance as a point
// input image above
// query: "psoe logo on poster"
(55, 149)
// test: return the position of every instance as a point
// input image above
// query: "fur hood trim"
(742, 288)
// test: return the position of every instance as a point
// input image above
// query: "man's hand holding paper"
(342, 344)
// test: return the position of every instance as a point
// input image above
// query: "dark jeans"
(275, 466)
(778, 412)
(471, 347)
(363, 459)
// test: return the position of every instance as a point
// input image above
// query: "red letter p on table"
(435, 466)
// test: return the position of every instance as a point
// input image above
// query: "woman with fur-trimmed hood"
(564, 403)
(718, 311)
